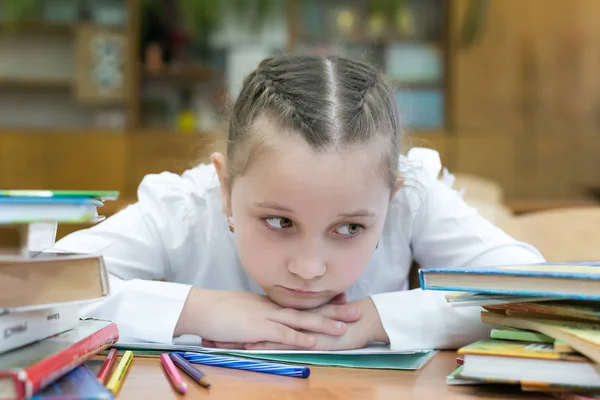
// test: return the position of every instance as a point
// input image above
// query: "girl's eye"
(278, 222)
(348, 229)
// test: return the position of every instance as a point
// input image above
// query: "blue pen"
(247, 364)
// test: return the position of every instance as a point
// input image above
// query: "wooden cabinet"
(528, 90)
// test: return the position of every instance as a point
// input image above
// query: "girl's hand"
(241, 317)
(360, 333)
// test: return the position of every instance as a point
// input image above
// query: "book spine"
(422, 282)
(22, 328)
(53, 367)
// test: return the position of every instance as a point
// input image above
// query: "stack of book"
(546, 325)
(42, 339)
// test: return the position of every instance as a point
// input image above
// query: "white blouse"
(177, 230)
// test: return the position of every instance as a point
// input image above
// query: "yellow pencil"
(118, 375)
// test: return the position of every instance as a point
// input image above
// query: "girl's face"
(306, 224)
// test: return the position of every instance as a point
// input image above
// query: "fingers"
(309, 321)
(339, 299)
(345, 313)
(223, 345)
(268, 346)
(229, 345)
(280, 333)
(250, 346)
(324, 342)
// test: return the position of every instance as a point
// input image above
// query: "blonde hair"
(331, 102)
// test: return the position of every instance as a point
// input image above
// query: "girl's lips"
(301, 292)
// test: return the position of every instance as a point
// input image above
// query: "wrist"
(188, 319)
(373, 327)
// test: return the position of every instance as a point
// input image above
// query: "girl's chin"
(298, 303)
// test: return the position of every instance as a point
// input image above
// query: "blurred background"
(95, 94)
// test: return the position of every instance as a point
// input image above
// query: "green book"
(95, 194)
(409, 361)
(522, 335)
(370, 357)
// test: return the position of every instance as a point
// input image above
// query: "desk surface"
(147, 380)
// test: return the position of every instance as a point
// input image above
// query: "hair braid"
(328, 101)
(271, 87)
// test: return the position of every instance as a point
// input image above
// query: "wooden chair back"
(561, 234)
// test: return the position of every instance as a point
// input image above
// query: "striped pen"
(265, 367)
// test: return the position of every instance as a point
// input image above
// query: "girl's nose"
(308, 268)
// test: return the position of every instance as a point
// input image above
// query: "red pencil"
(107, 366)
(173, 373)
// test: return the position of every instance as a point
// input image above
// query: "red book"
(28, 369)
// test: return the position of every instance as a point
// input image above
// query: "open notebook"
(375, 356)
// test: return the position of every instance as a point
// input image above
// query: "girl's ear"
(220, 164)
(399, 184)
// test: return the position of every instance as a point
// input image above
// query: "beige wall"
(526, 97)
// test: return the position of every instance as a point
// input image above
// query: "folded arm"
(135, 244)
(446, 233)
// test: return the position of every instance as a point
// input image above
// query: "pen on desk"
(107, 366)
(248, 364)
(189, 369)
(118, 376)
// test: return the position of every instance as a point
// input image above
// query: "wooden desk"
(147, 380)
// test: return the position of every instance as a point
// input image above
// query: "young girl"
(303, 234)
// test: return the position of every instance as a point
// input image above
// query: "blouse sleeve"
(446, 233)
(140, 245)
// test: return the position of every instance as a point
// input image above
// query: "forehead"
(286, 168)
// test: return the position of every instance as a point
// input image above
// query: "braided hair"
(332, 102)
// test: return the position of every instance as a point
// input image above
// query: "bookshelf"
(86, 64)
(181, 75)
(166, 76)
(51, 138)
(36, 82)
(409, 40)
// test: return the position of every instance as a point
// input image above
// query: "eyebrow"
(272, 206)
(358, 213)
(278, 207)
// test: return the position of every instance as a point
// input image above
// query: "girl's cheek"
(350, 264)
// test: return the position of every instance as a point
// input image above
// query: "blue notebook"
(55, 194)
(49, 200)
(79, 384)
(578, 280)
(25, 210)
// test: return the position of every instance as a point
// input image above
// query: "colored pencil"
(117, 378)
(265, 367)
(189, 369)
(107, 366)
(173, 373)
